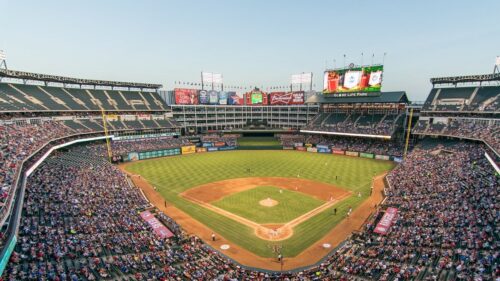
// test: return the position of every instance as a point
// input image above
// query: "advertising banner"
(203, 97)
(297, 144)
(386, 221)
(227, 148)
(300, 148)
(352, 153)
(133, 156)
(353, 79)
(219, 143)
(397, 159)
(337, 151)
(283, 98)
(223, 98)
(234, 98)
(158, 227)
(201, 149)
(207, 144)
(312, 149)
(366, 155)
(186, 96)
(382, 157)
(324, 150)
(144, 116)
(188, 149)
(213, 97)
(256, 97)
(287, 147)
(322, 146)
(211, 149)
(309, 145)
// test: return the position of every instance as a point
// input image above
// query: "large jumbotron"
(340, 173)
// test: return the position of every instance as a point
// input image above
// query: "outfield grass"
(258, 141)
(173, 175)
(246, 204)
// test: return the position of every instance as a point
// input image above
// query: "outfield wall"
(330, 150)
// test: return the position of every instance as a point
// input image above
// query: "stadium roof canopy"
(466, 78)
(384, 97)
(68, 80)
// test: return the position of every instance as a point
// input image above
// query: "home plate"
(225, 247)
(327, 246)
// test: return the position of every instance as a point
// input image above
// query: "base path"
(205, 194)
(308, 257)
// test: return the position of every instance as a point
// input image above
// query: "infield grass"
(290, 205)
(173, 175)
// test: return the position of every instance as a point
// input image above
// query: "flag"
(2, 55)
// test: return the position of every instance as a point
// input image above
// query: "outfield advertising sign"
(211, 149)
(201, 149)
(382, 157)
(227, 148)
(312, 149)
(337, 151)
(366, 155)
(324, 150)
(300, 148)
(397, 159)
(188, 149)
(352, 153)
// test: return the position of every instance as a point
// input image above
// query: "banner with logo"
(322, 146)
(158, 227)
(324, 150)
(386, 221)
(203, 97)
(227, 148)
(186, 96)
(188, 149)
(213, 97)
(207, 144)
(337, 151)
(297, 144)
(382, 157)
(234, 98)
(352, 153)
(366, 155)
(219, 143)
(201, 149)
(287, 98)
(223, 98)
(397, 159)
(312, 149)
(300, 148)
(211, 149)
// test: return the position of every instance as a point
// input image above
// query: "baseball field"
(260, 199)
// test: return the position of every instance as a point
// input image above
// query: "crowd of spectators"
(229, 139)
(385, 126)
(375, 146)
(464, 128)
(288, 140)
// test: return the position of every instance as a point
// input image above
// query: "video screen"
(353, 80)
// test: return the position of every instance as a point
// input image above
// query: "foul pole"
(408, 133)
(108, 146)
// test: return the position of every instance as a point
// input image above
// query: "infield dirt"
(308, 257)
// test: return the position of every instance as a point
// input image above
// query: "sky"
(251, 42)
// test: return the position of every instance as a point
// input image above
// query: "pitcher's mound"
(268, 202)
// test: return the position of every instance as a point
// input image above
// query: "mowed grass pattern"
(173, 175)
(246, 204)
(258, 141)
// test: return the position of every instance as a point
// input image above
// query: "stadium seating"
(21, 97)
